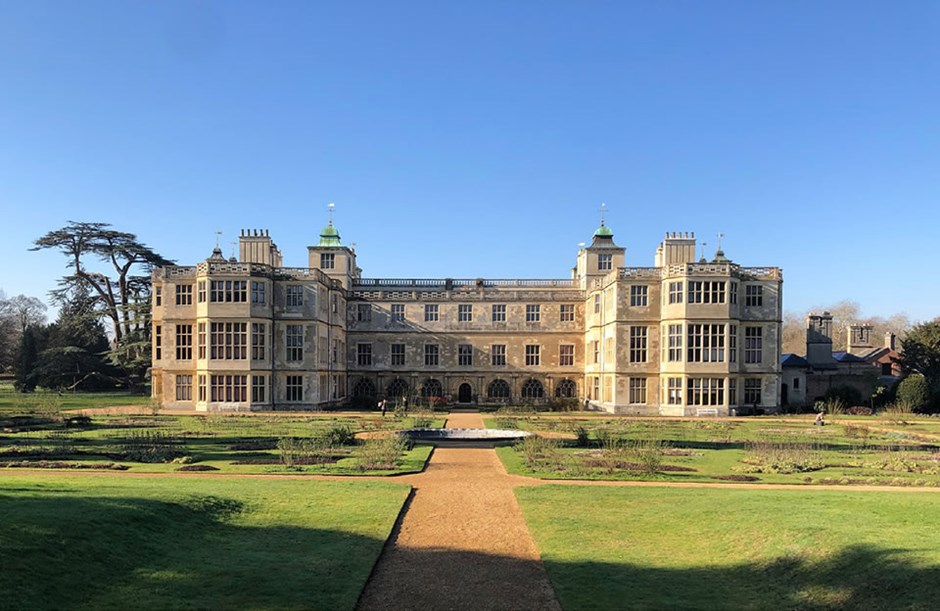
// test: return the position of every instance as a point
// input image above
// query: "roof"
(329, 236)
(603, 231)
(846, 357)
(793, 360)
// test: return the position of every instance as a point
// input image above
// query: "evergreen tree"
(27, 359)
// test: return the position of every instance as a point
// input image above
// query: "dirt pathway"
(462, 543)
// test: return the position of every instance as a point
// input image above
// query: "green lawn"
(859, 451)
(78, 542)
(50, 402)
(673, 548)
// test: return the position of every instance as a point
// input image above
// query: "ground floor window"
(397, 388)
(752, 391)
(432, 388)
(229, 388)
(498, 389)
(638, 391)
(674, 391)
(201, 382)
(706, 391)
(533, 389)
(364, 388)
(184, 387)
(259, 386)
(566, 389)
(294, 388)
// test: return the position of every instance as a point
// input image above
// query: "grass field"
(862, 451)
(671, 548)
(50, 402)
(79, 542)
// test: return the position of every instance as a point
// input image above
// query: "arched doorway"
(464, 393)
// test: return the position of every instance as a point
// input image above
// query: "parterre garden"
(892, 450)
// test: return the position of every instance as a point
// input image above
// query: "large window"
(706, 343)
(432, 355)
(465, 312)
(499, 312)
(566, 355)
(327, 260)
(753, 295)
(229, 340)
(706, 391)
(398, 312)
(707, 291)
(566, 389)
(464, 355)
(533, 313)
(431, 312)
(258, 292)
(258, 341)
(637, 391)
(567, 312)
(184, 388)
(605, 262)
(364, 354)
(229, 388)
(752, 391)
(674, 354)
(675, 292)
(184, 342)
(294, 388)
(294, 343)
(753, 344)
(363, 312)
(639, 296)
(229, 291)
(532, 354)
(398, 354)
(638, 336)
(184, 294)
(498, 355)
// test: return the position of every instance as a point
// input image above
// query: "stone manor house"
(683, 337)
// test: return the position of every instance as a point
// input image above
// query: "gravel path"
(462, 543)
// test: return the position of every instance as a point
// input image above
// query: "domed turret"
(329, 236)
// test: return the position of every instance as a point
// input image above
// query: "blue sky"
(469, 139)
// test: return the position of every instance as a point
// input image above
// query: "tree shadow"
(59, 552)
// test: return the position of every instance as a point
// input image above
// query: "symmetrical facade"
(680, 338)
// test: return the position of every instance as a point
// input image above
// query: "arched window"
(364, 388)
(498, 389)
(397, 388)
(566, 389)
(532, 389)
(432, 388)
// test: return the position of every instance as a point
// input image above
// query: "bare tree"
(16, 315)
(844, 313)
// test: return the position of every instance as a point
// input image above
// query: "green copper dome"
(329, 236)
(603, 232)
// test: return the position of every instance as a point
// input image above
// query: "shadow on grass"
(858, 577)
(133, 553)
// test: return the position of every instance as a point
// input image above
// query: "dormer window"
(605, 262)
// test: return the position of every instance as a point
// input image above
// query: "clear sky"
(478, 138)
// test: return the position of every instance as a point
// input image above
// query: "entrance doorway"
(464, 393)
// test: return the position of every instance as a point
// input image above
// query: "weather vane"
(603, 210)
(720, 235)
(218, 235)
(330, 207)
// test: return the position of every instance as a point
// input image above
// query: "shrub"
(381, 453)
(540, 453)
(914, 391)
(421, 421)
(582, 437)
(849, 395)
(150, 447)
(781, 457)
(339, 435)
(294, 451)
